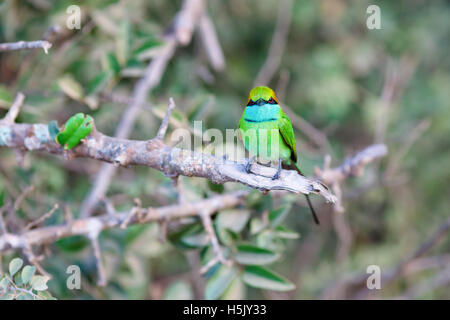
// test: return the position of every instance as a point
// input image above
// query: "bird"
(267, 133)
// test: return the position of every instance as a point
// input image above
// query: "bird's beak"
(260, 102)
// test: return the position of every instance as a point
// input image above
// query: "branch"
(94, 225)
(10, 46)
(353, 166)
(154, 153)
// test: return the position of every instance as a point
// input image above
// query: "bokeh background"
(354, 85)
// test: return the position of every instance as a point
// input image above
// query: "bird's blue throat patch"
(264, 113)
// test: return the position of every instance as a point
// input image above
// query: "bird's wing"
(287, 132)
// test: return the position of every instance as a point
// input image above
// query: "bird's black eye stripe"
(250, 102)
(272, 101)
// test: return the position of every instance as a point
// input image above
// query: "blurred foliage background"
(332, 73)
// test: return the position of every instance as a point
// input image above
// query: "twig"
(135, 211)
(28, 251)
(277, 44)
(101, 280)
(10, 46)
(353, 166)
(92, 225)
(11, 116)
(41, 218)
(211, 43)
(165, 122)
(207, 224)
(22, 196)
(171, 161)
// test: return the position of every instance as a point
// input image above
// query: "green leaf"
(252, 255)
(18, 279)
(276, 216)
(219, 282)
(259, 277)
(285, 233)
(72, 244)
(53, 129)
(71, 87)
(28, 273)
(15, 266)
(179, 290)
(124, 42)
(196, 240)
(229, 223)
(2, 198)
(112, 64)
(4, 282)
(76, 128)
(99, 82)
(39, 283)
(6, 98)
(147, 45)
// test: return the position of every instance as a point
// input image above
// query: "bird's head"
(261, 96)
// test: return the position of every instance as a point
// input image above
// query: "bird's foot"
(277, 174)
(249, 164)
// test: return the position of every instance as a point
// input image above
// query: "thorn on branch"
(13, 112)
(165, 122)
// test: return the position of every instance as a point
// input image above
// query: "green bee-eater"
(267, 133)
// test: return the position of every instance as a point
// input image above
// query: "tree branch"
(155, 154)
(10, 46)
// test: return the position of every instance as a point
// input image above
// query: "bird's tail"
(294, 166)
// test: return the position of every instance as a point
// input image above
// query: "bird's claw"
(248, 165)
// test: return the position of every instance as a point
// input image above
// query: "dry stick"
(22, 196)
(207, 224)
(211, 43)
(10, 46)
(13, 112)
(92, 225)
(41, 218)
(28, 251)
(181, 34)
(165, 122)
(101, 280)
(277, 45)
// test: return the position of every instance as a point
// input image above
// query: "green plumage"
(267, 132)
